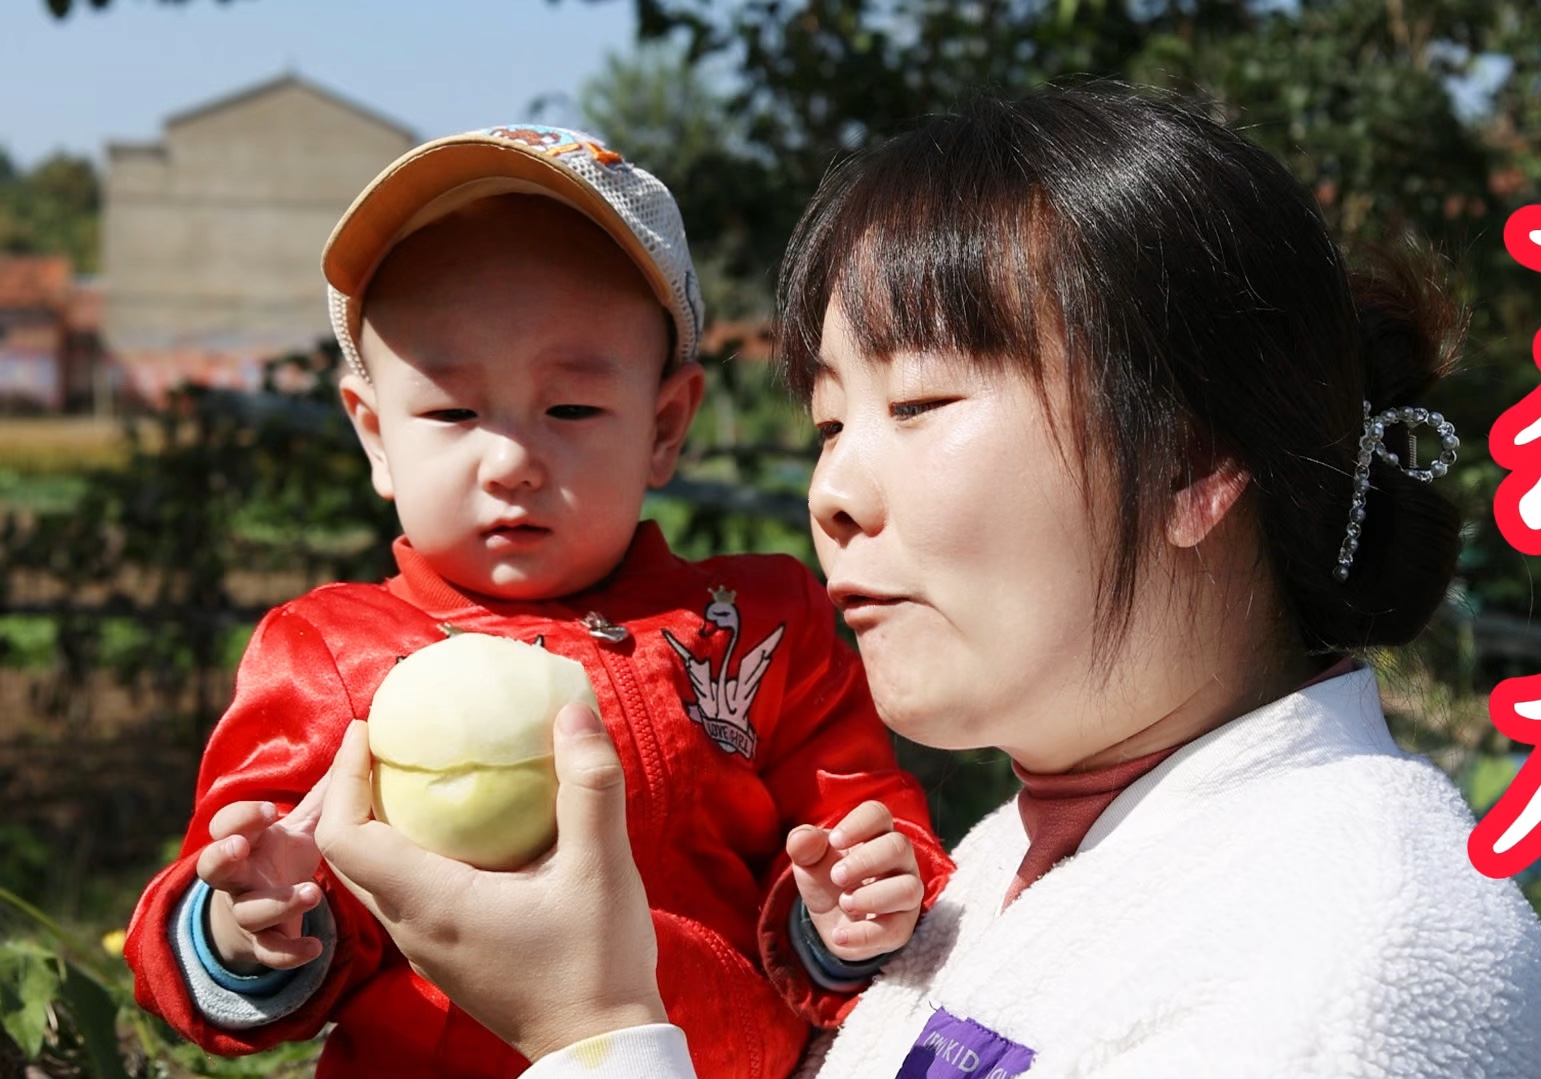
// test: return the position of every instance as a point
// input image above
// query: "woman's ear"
(679, 396)
(1201, 500)
(359, 402)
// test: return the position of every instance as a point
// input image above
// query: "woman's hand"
(544, 956)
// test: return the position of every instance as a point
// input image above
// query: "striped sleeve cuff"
(827, 970)
(236, 1001)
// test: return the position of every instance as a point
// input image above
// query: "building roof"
(34, 282)
(285, 81)
(743, 339)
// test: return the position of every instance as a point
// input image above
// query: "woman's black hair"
(1188, 284)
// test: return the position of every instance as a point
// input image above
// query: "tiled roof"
(34, 281)
(745, 340)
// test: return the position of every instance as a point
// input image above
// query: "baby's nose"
(510, 461)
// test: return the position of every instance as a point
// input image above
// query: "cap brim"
(382, 213)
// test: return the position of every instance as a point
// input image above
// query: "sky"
(436, 66)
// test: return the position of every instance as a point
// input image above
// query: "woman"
(1116, 474)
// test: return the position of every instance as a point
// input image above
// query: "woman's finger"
(591, 793)
(303, 818)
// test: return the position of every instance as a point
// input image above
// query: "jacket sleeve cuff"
(239, 1001)
(657, 1051)
(827, 970)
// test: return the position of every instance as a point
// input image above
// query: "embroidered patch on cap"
(557, 141)
(951, 1047)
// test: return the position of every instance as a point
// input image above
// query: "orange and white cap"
(439, 177)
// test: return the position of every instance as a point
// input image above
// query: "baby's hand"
(860, 882)
(261, 869)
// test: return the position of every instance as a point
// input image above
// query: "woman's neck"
(1212, 703)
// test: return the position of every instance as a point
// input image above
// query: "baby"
(520, 317)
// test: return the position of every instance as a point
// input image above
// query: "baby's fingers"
(812, 857)
(858, 941)
(269, 908)
(281, 951)
(867, 821)
(890, 854)
(891, 895)
(224, 865)
(247, 819)
(807, 845)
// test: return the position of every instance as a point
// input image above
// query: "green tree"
(54, 209)
(1356, 95)
(667, 115)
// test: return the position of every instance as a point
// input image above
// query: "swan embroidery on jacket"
(722, 703)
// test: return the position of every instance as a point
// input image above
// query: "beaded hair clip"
(1372, 444)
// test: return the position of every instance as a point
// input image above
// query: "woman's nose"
(843, 496)
(509, 461)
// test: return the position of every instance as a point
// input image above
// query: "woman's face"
(959, 547)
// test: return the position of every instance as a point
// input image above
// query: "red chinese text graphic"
(1508, 838)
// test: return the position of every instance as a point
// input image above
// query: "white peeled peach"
(461, 736)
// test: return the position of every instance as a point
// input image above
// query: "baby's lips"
(1522, 237)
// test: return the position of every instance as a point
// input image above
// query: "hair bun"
(1409, 333)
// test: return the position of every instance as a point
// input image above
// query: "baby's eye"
(904, 410)
(451, 415)
(572, 412)
(828, 430)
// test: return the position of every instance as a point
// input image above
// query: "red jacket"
(719, 767)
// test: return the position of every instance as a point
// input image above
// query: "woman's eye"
(451, 415)
(905, 410)
(572, 412)
(827, 430)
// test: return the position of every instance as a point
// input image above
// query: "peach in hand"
(461, 736)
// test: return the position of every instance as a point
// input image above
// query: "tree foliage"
(1380, 106)
(673, 121)
(53, 209)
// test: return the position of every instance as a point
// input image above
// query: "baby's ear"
(1201, 499)
(358, 401)
(679, 396)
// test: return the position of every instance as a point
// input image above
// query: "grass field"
(55, 444)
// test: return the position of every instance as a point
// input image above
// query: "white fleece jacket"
(1287, 896)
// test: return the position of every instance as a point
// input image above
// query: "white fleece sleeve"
(655, 1051)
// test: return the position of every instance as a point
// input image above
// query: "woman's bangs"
(910, 271)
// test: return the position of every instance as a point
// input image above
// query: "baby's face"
(515, 412)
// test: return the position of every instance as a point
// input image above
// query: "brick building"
(50, 351)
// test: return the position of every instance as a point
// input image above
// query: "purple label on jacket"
(950, 1047)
